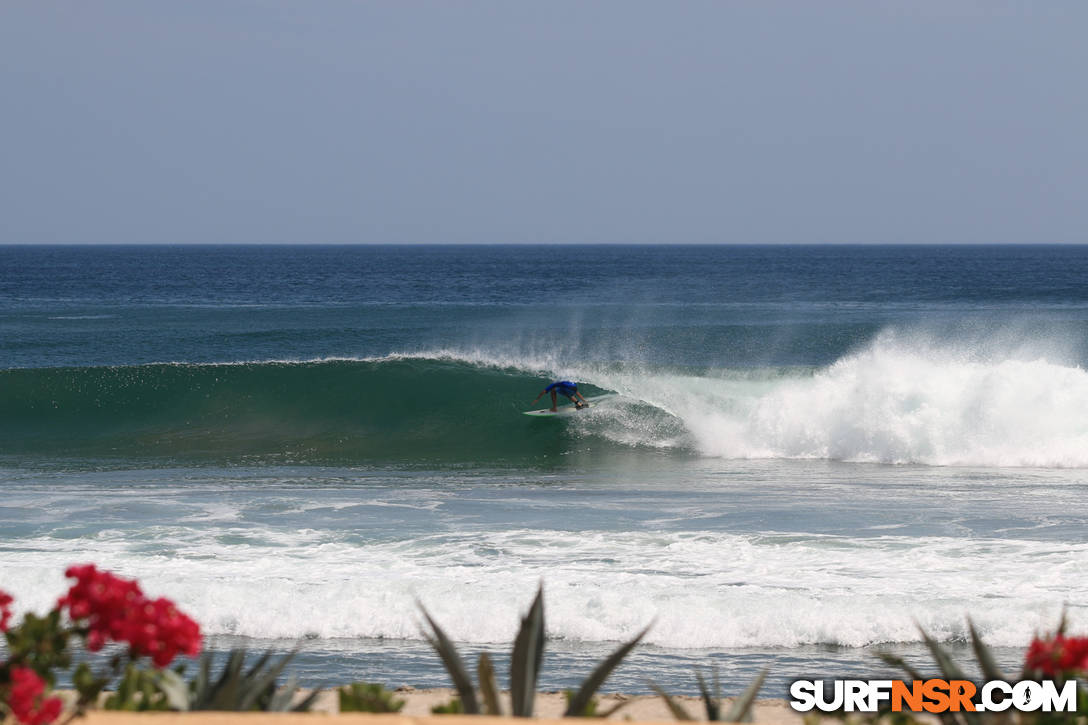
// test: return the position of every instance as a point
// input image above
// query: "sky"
(563, 121)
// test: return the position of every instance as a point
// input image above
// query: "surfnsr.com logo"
(934, 696)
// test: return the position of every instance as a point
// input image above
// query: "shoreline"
(549, 706)
(637, 708)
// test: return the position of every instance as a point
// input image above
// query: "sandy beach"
(550, 705)
(418, 704)
(640, 708)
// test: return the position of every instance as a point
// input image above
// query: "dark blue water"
(116, 305)
(805, 451)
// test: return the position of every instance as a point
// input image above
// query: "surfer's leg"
(554, 408)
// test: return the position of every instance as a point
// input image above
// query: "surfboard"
(565, 410)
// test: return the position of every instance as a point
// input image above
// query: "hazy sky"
(508, 121)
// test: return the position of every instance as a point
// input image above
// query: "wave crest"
(898, 401)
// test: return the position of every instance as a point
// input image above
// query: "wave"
(704, 589)
(344, 410)
(899, 400)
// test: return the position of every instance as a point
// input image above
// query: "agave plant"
(591, 709)
(740, 711)
(989, 669)
(237, 688)
(141, 689)
(525, 661)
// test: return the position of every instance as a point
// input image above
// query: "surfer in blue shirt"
(565, 388)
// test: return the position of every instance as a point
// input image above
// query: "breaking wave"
(897, 400)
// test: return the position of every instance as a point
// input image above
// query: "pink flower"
(105, 601)
(5, 610)
(1058, 655)
(115, 609)
(26, 701)
(164, 632)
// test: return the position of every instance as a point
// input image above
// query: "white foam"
(994, 401)
(897, 401)
(705, 590)
(903, 399)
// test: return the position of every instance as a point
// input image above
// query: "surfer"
(566, 388)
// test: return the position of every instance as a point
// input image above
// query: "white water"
(718, 562)
(900, 400)
(702, 589)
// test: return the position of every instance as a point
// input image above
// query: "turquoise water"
(810, 448)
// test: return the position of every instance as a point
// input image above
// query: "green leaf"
(590, 709)
(485, 672)
(742, 706)
(896, 661)
(262, 684)
(945, 663)
(368, 697)
(454, 666)
(453, 707)
(224, 693)
(174, 689)
(1063, 622)
(307, 703)
(526, 658)
(240, 689)
(614, 709)
(675, 707)
(713, 703)
(986, 661)
(200, 685)
(951, 671)
(280, 700)
(597, 678)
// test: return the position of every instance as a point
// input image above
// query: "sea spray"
(897, 401)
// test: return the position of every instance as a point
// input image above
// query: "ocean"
(810, 450)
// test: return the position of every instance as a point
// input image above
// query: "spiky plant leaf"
(223, 693)
(240, 689)
(280, 700)
(986, 661)
(675, 707)
(592, 683)
(945, 663)
(713, 703)
(258, 665)
(485, 672)
(454, 666)
(260, 684)
(888, 658)
(199, 685)
(947, 717)
(123, 698)
(306, 703)
(896, 661)
(614, 709)
(742, 706)
(526, 657)
(589, 711)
